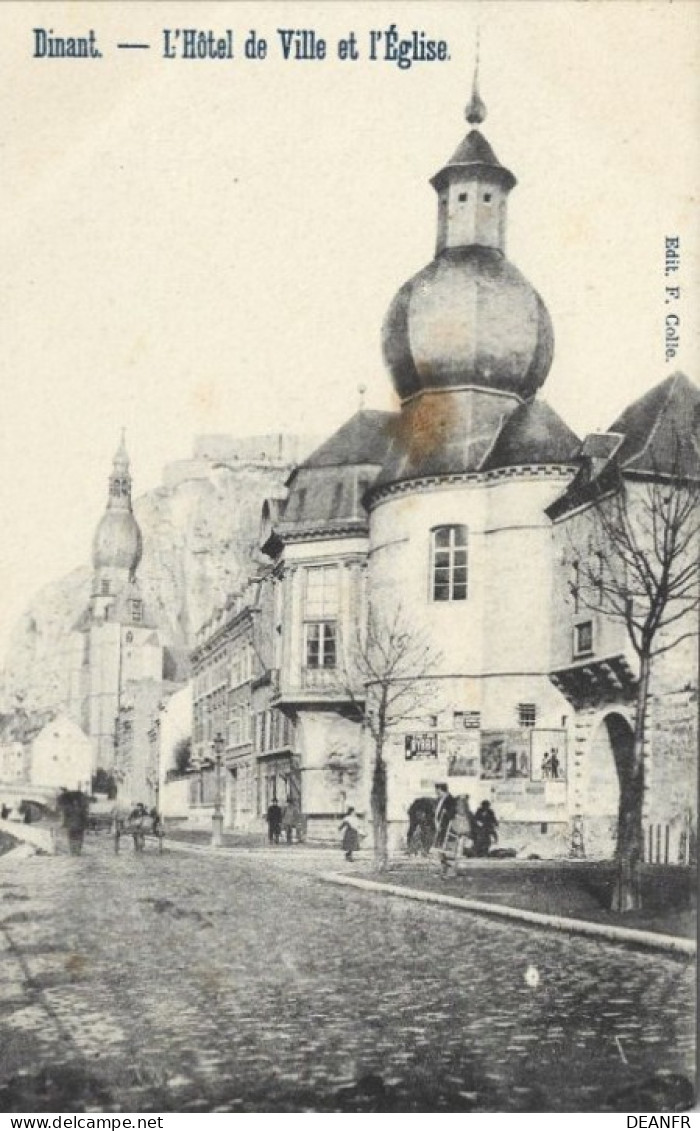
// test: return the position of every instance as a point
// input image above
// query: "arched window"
(449, 563)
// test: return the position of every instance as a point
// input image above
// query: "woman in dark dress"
(351, 836)
(485, 825)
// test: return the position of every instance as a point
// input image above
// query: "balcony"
(596, 682)
(313, 678)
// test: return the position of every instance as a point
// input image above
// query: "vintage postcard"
(349, 571)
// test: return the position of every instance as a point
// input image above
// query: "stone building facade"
(456, 511)
(234, 720)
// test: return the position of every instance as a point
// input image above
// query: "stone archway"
(611, 741)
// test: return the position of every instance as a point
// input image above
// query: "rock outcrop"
(200, 534)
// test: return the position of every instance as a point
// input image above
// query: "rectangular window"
(583, 639)
(527, 714)
(240, 667)
(321, 645)
(449, 563)
(137, 610)
(235, 729)
(321, 595)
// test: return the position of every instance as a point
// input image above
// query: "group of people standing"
(288, 821)
(433, 823)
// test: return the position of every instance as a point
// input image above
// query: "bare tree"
(640, 566)
(393, 661)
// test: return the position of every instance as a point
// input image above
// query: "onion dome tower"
(468, 339)
(117, 544)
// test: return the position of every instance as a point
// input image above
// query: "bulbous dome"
(117, 543)
(468, 318)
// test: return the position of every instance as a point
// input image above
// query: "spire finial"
(121, 457)
(475, 112)
(361, 389)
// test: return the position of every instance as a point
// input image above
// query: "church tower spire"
(117, 545)
(473, 187)
(475, 112)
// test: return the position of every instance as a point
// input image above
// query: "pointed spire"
(475, 112)
(121, 457)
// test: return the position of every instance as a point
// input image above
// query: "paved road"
(191, 982)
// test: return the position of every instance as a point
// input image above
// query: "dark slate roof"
(475, 151)
(662, 429)
(474, 148)
(327, 489)
(364, 438)
(532, 434)
(443, 433)
(658, 434)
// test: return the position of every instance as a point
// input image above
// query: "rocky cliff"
(199, 536)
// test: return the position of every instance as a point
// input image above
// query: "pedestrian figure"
(461, 830)
(137, 826)
(350, 828)
(485, 825)
(4, 812)
(291, 821)
(554, 766)
(75, 811)
(546, 765)
(274, 822)
(444, 813)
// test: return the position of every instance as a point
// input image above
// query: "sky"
(198, 246)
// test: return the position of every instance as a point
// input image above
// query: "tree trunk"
(378, 798)
(627, 893)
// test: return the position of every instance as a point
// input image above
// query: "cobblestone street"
(188, 982)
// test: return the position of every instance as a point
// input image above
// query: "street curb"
(647, 940)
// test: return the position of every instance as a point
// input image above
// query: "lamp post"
(217, 821)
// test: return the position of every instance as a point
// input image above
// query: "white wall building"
(454, 510)
(61, 756)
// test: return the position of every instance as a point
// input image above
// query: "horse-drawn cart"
(142, 824)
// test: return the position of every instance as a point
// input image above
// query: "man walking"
(444, 813)
(274, 822)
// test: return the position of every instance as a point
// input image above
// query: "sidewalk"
(577, 890)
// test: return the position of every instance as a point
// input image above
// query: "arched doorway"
(612, 741)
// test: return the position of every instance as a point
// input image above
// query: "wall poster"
(548, 755)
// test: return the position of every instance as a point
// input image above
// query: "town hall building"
(456, 514)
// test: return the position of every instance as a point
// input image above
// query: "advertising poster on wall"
(422, 745)
(548, 755)
(505, 754)
(462, 752)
